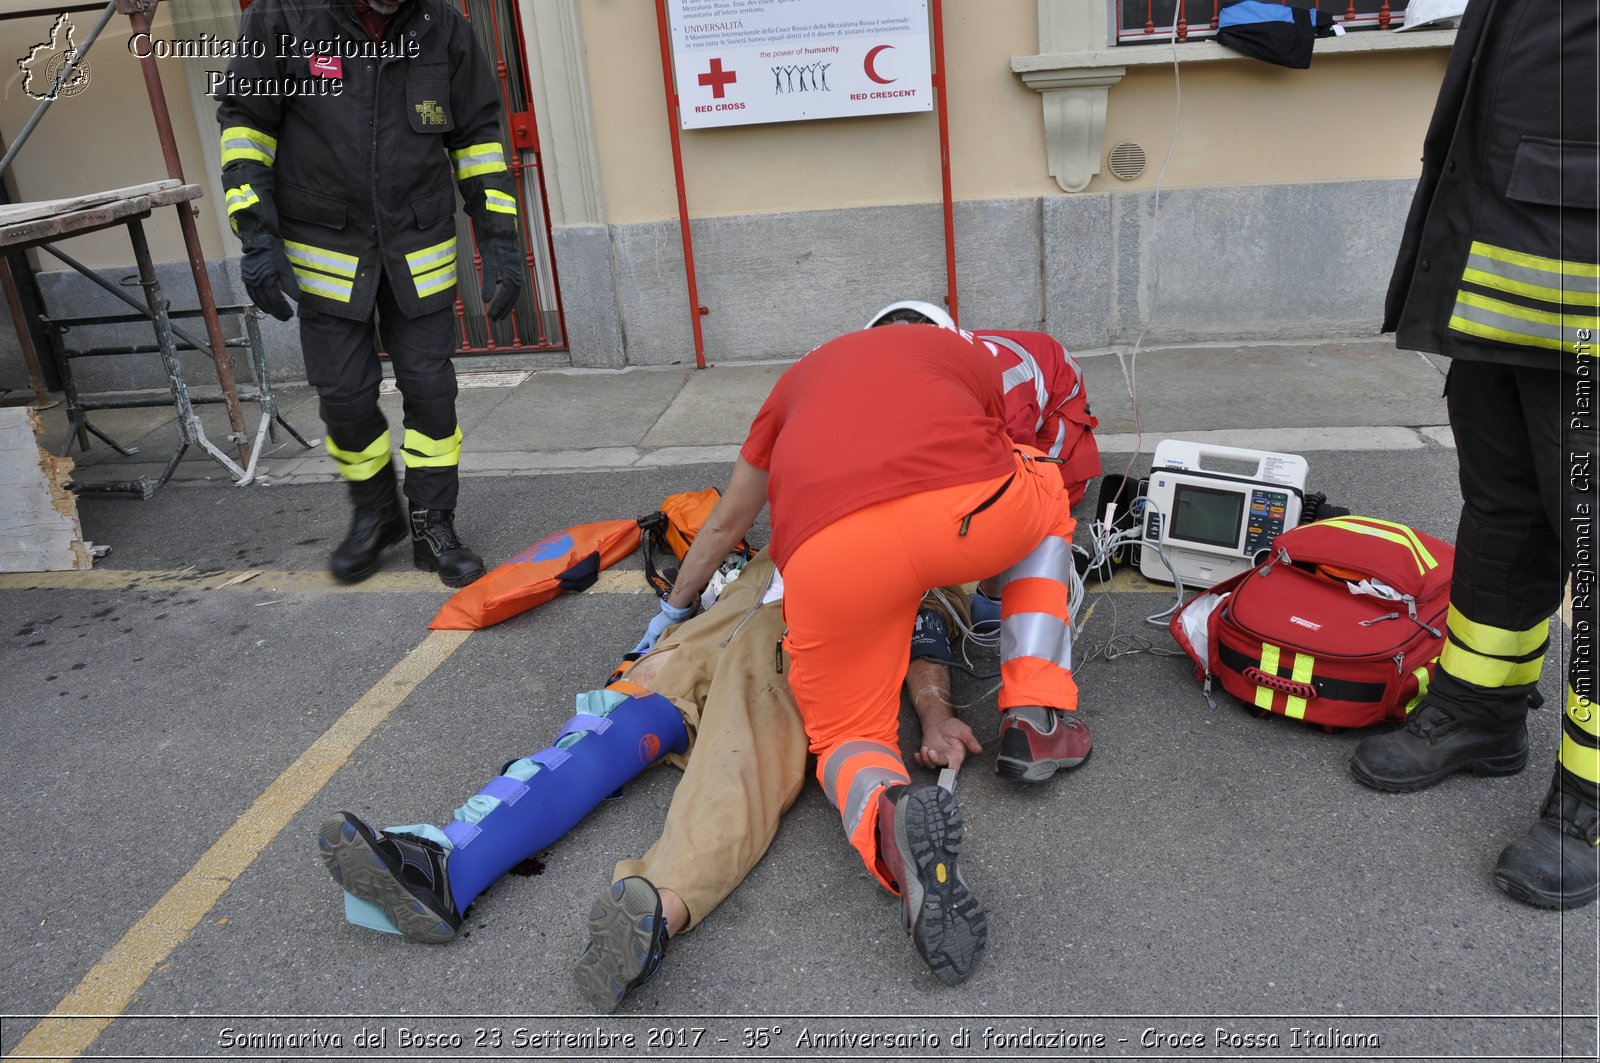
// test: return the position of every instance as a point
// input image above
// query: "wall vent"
(1127, 160)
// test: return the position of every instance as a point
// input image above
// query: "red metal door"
(537, 323)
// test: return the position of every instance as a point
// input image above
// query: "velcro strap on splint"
(460, 832)
(551, 758)
(504, 788)
(584, 722)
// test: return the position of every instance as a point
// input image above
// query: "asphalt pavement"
(1208, 885)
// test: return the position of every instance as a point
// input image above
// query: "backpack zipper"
(1411, 611)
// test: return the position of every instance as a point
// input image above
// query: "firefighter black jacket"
(1498, 261)
(346, 147)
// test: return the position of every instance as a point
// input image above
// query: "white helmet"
(912, 312)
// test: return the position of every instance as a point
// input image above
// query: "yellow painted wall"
(102, 138)
(1348, 118)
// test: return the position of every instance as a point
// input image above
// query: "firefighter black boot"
(1433, 745)
(435, 547)
(1556, 864)
(378, 522)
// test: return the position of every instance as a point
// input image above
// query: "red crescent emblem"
(872, 56)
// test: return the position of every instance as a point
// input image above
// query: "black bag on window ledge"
(1274, 32)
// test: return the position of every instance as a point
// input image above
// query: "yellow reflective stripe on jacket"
(1424, 560)
(1552, 279)
(313, 283)
(1496, 319)
(423, 452)
(1269, 665)
(477, 160)
(243, 144)
(433, 269)
(499, 202)
(241, 198)
(361, 464)
(1295, 707)
(437, 281)
(1496, 641)
(318, 271)
(320, 258)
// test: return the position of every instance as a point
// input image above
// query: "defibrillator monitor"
(1214, 511)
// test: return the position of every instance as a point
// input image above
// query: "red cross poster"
(742, 62)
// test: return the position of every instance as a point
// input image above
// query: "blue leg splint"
(612, 738)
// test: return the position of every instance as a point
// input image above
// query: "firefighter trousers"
(1526, 444)
(341, 359)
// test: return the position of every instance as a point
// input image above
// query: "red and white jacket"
(1046, 403)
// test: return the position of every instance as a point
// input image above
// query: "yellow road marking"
(406, 581)
(108, 989)
(611, 581)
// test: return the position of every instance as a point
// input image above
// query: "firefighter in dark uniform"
(343, 123)
(1498, 271)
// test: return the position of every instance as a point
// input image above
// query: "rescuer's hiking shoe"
(1434, 745)
(1037, 742)
(435, 547)
(919, 835)
(627, 940)
(402, 875)
(1556, 864)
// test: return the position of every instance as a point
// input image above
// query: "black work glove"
(268, 277)
(502, 272)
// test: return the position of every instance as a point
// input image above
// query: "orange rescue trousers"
(851, 593)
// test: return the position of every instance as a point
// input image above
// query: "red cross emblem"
(718, 78)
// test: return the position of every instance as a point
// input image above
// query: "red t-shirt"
(874, 415)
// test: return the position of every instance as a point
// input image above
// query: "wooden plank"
(40, 208)
(39, 529)
(60, 226)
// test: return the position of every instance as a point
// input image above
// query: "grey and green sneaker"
(402, 875)
(627, 940)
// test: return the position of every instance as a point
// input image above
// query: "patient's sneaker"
(627, 939)
(919, 835)
(402, 875)
(1037, 742)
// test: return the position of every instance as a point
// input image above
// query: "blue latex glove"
(985, 610)
(669, 615)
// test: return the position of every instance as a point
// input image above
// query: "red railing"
(537, 323)
(1145, 21)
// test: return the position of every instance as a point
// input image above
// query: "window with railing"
(1145, 21)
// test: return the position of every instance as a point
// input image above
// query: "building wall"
(1281, 203)
(1280, 206)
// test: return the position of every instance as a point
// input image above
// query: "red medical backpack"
(1342, 627)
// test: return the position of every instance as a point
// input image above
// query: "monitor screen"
(1206, 515)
